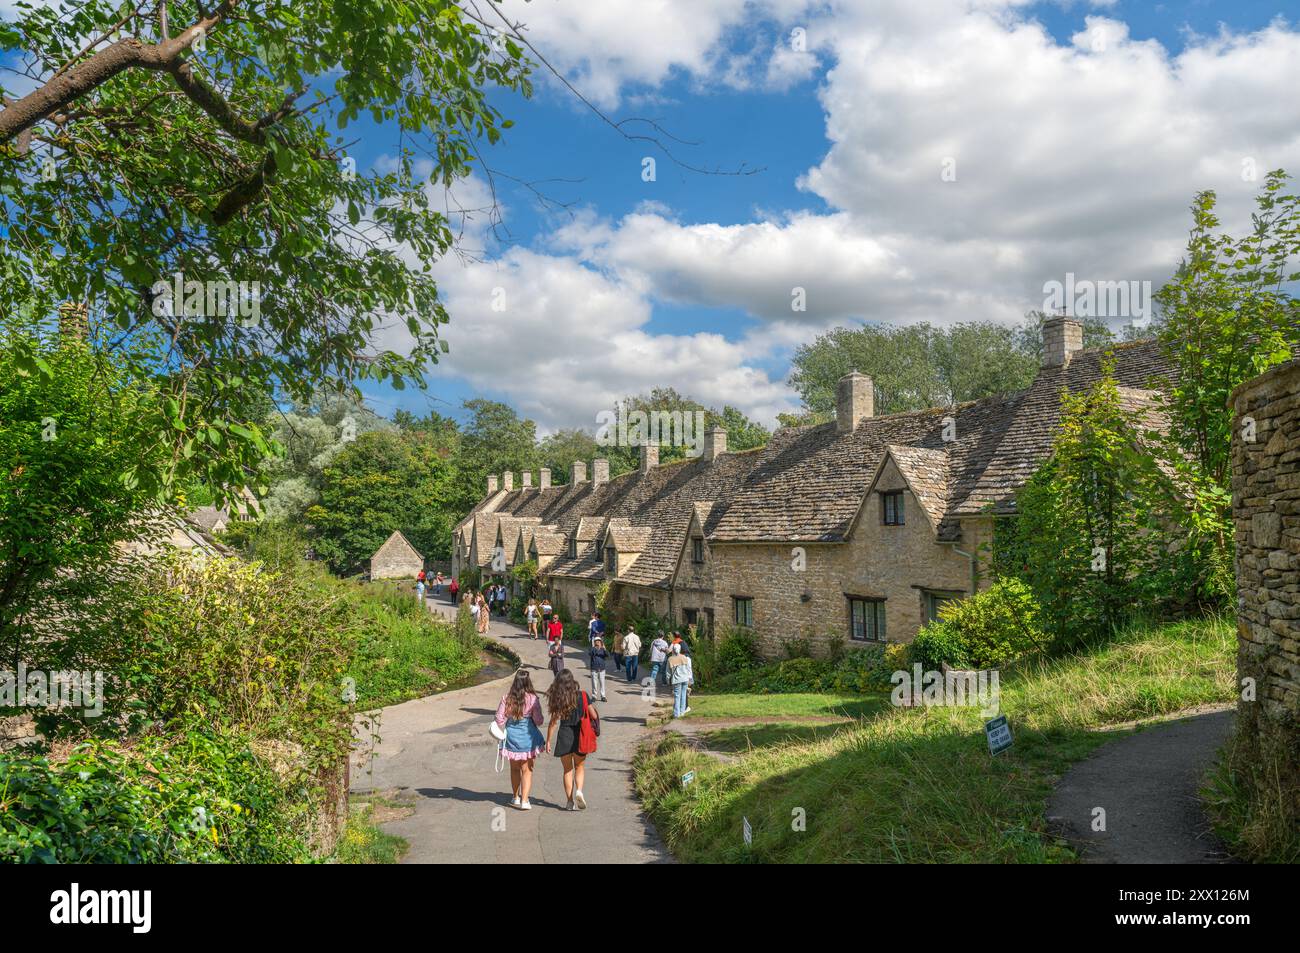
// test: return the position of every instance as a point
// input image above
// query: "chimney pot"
(649, 456)
(527, 478)
(600, 471)
(578, 472)
(492, 483)
(855, 401)
(715, 443)
(1062, 336)
(508, 481)
(544, 478)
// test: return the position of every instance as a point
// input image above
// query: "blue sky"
(1080, 132)
(936, 161)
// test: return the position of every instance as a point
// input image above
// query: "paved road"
(1147, 784)
(436, 753)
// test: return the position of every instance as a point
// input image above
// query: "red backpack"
(588, 727)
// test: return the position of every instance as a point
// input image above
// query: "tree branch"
(67, 87)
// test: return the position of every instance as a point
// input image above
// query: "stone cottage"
(857, 529)
(396, 559)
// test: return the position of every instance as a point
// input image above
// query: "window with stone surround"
(891, 507)
(611, 554)
(690, 616)
(866, 619)
(743, 611)
(573, 547)
(697, 549)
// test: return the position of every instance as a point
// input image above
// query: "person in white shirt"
(631, 654)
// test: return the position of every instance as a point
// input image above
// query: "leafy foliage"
(986, 630)
(224, 159)
(384, 481)
(1226, 316)
(1104, 531)
(77, 437)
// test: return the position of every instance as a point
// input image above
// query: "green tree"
(493, 440)
(209, 140)
(384, 481)
(559, 450)
(1226, 316)
(914, 367)
(1104, 530)
(79, 441)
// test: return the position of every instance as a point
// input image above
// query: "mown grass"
(362, 841)
(918, 785)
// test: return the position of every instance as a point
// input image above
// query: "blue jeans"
(654, 670)
(631, 666)
(679, 699)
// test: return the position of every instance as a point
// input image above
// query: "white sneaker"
(515, 800)
(580, 800)
(687, 711)
(525, 806)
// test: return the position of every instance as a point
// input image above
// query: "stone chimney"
(599, 471)
(508, 481)
(492, 483)
(578, 473)
(649, 456)
(855, 401)
(544, 478)
(1062, 336)
(715, 443)
(527, 478)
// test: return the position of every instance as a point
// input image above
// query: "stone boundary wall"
(1266, 516)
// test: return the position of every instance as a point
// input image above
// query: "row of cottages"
(858, 529)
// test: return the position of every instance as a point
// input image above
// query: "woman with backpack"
(520, 716)
(572, 732)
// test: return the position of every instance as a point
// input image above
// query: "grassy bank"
(403, 651)
(918, 785)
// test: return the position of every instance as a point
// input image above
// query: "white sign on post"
(748, 831)
(687, 778)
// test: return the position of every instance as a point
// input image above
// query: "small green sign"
(998, 733)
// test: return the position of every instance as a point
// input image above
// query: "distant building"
(857, 529)
(396, 559)
(216, 519)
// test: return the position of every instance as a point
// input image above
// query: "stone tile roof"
(206, 517)
(808, 483)
(926, 473)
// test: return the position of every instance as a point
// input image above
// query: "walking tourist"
(658, 658)
(631, 654)
(680, 675)
(598, 658)
(530, 616)
(595, 627)
(520, 714)
(573, 727)
(555, 656)
(484, 618)
(555, 629)
(618, 650)
(453, 590)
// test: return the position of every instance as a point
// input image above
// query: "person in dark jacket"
(597, 658)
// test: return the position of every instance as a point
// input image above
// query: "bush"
(988, 629)
(198, 799)
(737, 651)
(797, 648)
(802, 674)
(866, 669)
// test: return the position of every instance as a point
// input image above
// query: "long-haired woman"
(520, 714)
(567, 705)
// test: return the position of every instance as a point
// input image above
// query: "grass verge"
(363, 842)
(918, 785)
